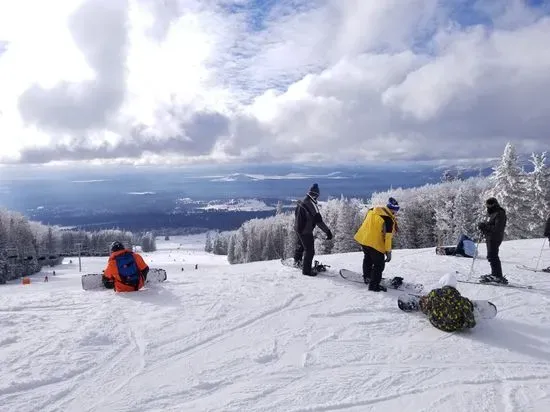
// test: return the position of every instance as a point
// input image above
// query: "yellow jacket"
(377, 229)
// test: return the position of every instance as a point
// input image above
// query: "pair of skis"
(508, 285)
(524, 267)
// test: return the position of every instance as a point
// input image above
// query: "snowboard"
(92, 281)
(483, 309)
(396, 283)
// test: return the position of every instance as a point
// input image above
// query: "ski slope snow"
(262, 337)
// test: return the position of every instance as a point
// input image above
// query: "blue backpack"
(127, 269)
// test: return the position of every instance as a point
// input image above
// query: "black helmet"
(116, 246)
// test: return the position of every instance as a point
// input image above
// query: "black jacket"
(307, 217)
(493, 228)
(547, 228)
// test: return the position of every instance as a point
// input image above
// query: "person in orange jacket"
(126, 271)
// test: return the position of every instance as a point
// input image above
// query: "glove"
(107, 282)
(388, 256)
(329, 235)
(482, 227)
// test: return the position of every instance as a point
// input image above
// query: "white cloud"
(150, 81)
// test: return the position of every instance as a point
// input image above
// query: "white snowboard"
(93, 280)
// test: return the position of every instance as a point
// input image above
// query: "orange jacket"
(111, 271)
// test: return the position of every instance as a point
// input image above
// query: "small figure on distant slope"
(446, 308)
(126, 271)
(306, 218)
(493, 230)
(375, 237)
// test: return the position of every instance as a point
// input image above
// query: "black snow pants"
(373, 266)
(492, 257)
(305, 247)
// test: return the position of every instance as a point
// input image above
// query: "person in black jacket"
(547, 234)
(493, 230)
(306, 218)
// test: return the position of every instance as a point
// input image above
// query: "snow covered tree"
(347, 223)
(208, 247)
(444, 209)
(148, 242)
(539, 194)
(509, 188)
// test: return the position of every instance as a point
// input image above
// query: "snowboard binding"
(396, 282)
(319, 267)
(408, 303)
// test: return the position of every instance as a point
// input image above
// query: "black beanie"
(492, 202)
(314, 190)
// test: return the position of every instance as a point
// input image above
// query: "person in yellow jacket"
(375, 237)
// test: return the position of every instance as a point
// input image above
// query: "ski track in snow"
(262, 337)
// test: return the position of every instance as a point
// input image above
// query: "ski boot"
(493, 279)
(377, 288)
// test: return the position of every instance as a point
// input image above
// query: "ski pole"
(473, 261)
(540, 256)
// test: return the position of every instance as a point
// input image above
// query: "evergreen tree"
(539, 194)
(208, 246)
(510, 190)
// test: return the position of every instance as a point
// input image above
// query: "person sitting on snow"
(126, 271)
(446, 308)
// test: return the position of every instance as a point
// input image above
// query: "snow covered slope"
(261, 337)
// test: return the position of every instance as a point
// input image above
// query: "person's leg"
(494, 260)
(309, 248)
(379, 264)
(298, 251)
(367, 264)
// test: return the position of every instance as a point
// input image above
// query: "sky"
(174, 82)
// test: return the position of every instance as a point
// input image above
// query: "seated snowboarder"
(446, 309)
(306, 218)
(375, 237)
(126, 271)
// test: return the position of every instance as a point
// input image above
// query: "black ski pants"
(305, 248)
(492, 257)
(373, 266)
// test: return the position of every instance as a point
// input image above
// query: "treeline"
(434, 214)
(26, 246)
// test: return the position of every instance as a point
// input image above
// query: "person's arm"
(499, 223)
(108, 277)
(323, 226)
(468, 313)
(387, 231)
(110, 270)
(141, 265)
